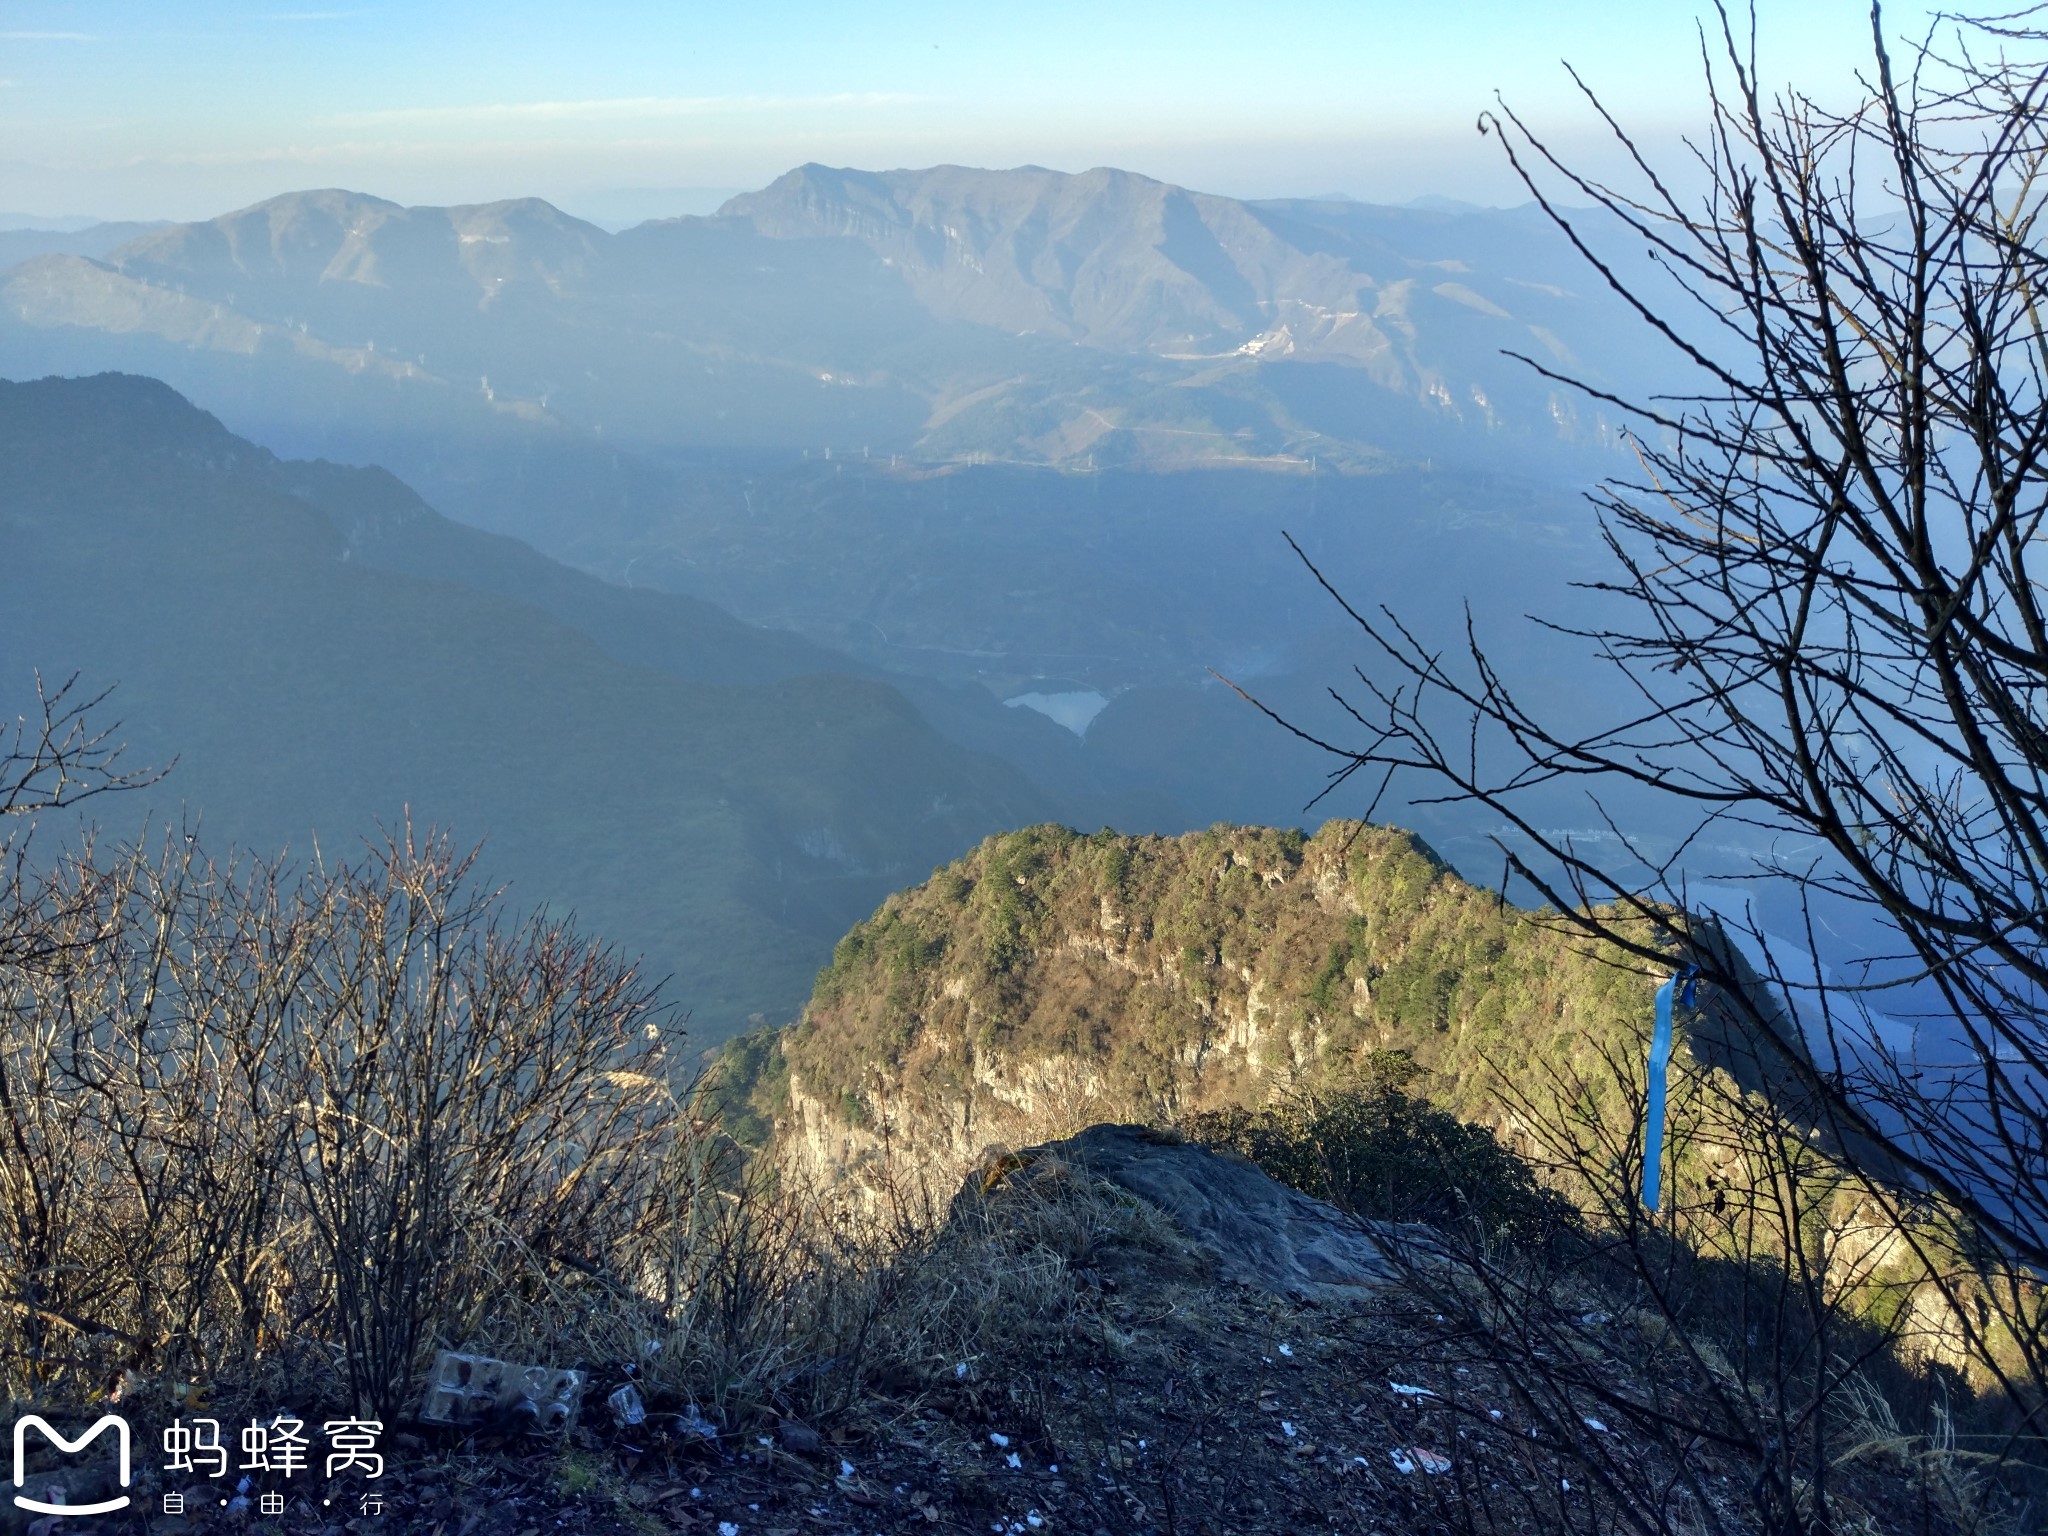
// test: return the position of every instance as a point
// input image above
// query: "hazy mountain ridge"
(388, 526)
(340, 237)
(727, 825)
(926, 312)
(88, 237)
(1126, 263)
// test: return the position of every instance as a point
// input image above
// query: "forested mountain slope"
(1050, 980)
(319, 653)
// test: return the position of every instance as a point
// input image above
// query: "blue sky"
(621, 111)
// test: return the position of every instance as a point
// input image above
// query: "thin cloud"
(276, 154)
(610, 107)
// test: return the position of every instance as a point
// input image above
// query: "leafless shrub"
(285, 1130)
(1823, 629)
(1767, 1352)
(247, 1107)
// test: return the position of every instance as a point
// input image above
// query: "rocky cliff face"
(1051, 980)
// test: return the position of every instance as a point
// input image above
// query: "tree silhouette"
(1827, 627)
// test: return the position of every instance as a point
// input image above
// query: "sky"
(625, 111)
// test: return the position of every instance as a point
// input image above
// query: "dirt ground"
(1175, 1407)
(1141, 1397)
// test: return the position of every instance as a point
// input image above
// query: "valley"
(313, 654)
(796, 440)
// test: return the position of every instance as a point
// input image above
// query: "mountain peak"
(324, 201)
(1106, 256)
(518, 210)
(332, 235)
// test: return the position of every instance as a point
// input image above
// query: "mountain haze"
(995, 434)
(932, 312)
(90, 238)
(322, 654)
(1124, 263)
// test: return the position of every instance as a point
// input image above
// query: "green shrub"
(746, 1085)
(1372, 1148)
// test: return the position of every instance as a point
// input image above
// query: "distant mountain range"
(1131, 265)
(1026, 315)
(969, 436)
(64, 237)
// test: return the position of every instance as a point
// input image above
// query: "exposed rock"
(1050, 981)
(1259, 1233)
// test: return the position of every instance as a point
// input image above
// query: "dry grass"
(1780, 1318)
(255, 1117)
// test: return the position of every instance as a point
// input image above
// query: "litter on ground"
(626, 1405)
(470, 1389)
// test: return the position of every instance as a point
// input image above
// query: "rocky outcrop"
(1050, 981)
(1256, 1232)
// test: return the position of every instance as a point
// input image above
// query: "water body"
(1073, 710)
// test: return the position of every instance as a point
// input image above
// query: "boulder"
(1257, 1232)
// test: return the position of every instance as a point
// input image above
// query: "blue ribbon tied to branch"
(1684, 984)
